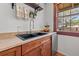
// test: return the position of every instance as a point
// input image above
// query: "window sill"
(76, 34)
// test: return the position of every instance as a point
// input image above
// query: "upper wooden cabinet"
(62, 6)
(76, 4)
(66, 6)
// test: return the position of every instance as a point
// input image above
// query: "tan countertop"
(8, 41)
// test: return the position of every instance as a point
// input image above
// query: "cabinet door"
(64, 6)
(34, 52)
(12, 52)
(46, 48)
(31, 48)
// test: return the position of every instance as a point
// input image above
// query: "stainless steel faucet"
(31, 26)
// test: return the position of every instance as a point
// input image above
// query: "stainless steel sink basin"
(27, 36)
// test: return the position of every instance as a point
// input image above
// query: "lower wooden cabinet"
(12, 52)
(34, 52)
(46, 49)
(33, 46)
(39, 47)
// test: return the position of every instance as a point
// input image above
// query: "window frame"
(56, 25)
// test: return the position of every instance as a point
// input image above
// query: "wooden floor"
(59, 54)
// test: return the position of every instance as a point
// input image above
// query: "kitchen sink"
(27, 36)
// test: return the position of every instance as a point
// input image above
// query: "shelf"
(35, 6)
(74, 5)
(65, 9)
(63, 6)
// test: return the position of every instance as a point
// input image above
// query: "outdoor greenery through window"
(68, 20)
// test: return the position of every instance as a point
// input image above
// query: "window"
(68, 19)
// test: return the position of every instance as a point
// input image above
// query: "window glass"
(68, 20)
(67, 12)
(64, 24)
(60, 24)
(60, 14)
(75, 10)
(67, 23)
(75, 23)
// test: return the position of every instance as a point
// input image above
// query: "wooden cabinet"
(34, 52)
(39, 47)
(31, 48)
(63, 6)
(46, 49)
(12, 52)
(66, 6)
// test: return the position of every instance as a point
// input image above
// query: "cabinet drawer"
(34, 52)
(30, 45)
(45, 39)
(16, 51)
(10, 52)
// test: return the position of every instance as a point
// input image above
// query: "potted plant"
(32, 14)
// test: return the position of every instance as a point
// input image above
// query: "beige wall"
(9, 22)
(68, 45)
(49, 15)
